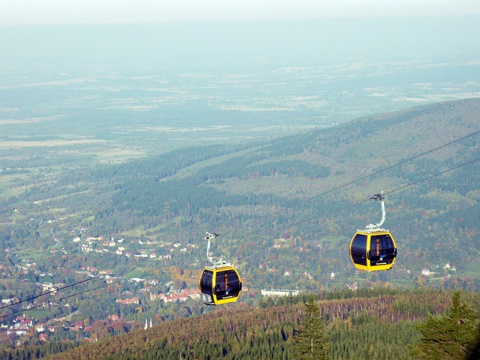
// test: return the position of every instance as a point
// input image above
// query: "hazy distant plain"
(142, 89)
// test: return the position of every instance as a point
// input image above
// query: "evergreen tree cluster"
(368, 327)
(454, 336)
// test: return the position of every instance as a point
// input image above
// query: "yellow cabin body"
(221, 285)
(374, 250)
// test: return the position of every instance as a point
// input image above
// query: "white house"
(426, 272)
(280, 292)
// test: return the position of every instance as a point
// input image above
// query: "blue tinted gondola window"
(359, 249)
(206, 282)
(382, 249)
(220, 282)
(227, 284)
(234, 285)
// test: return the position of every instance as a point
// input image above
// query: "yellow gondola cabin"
(374, 249)
(220, 285)
(220, 282)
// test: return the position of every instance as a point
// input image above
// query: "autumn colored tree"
(448, 337)
(311, 340)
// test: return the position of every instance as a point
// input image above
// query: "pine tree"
(311, 340)
(475, 350)
(448, 337)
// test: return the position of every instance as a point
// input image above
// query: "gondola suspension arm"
(378, 197)
(214, 261)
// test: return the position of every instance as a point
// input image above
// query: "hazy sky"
(36, 12)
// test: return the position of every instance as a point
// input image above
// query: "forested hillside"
(366, 324)
(286, 210)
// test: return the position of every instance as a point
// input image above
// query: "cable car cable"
(391, 166)
(58, 300)
(48, 292)
(401, 187)
(434, 175)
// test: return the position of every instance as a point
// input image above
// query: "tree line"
(370, 325)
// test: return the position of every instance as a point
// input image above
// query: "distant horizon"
(245, 21)
(57, 12)
(243, 43)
